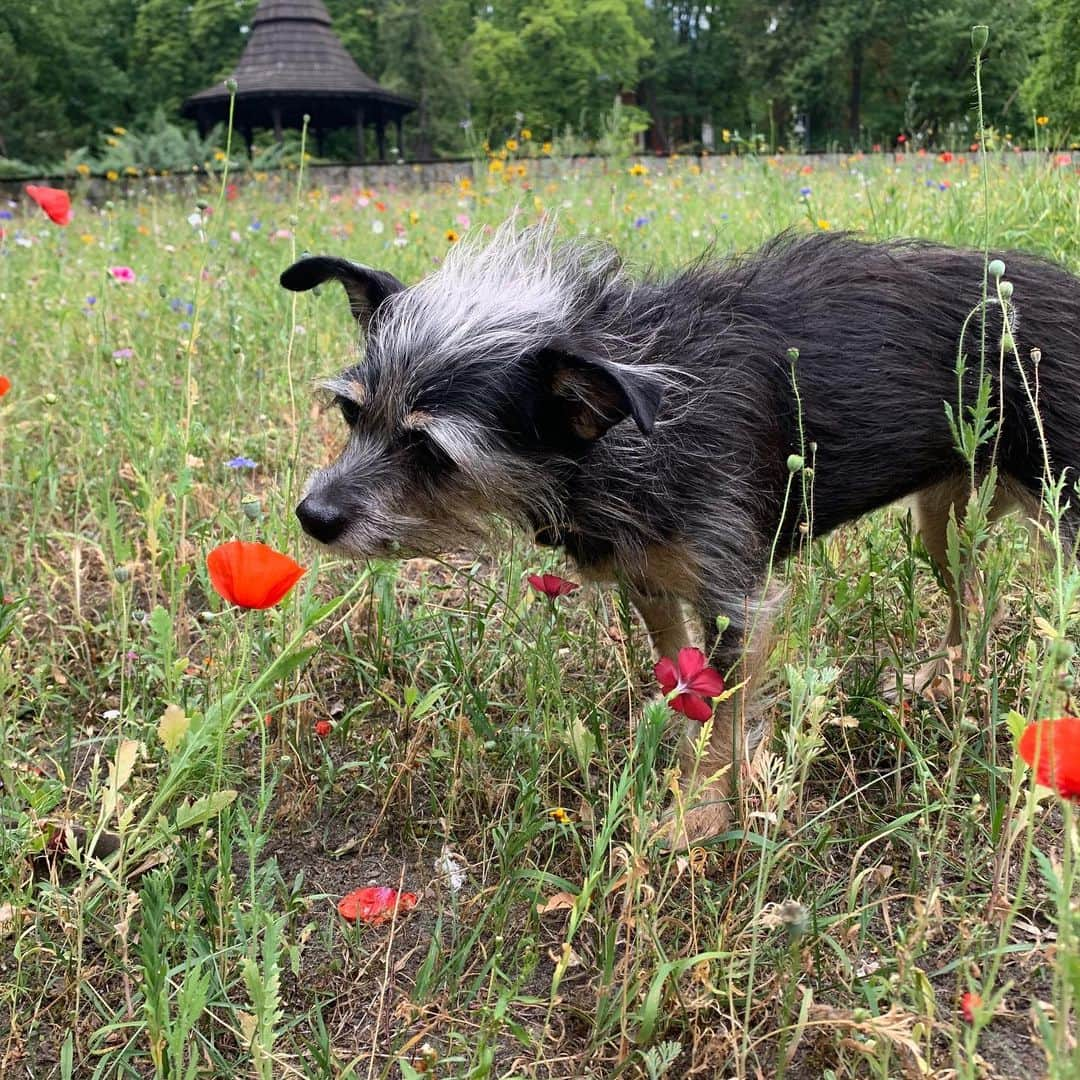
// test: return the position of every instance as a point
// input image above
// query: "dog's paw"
(935, 680)
(681, 829)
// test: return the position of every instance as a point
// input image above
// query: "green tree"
(1053, 86)
(559, 63)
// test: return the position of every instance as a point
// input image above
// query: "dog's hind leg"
(932, 509)
(665, 620)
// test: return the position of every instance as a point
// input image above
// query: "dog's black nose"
(320, 519)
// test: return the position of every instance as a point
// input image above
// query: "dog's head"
(481, 389)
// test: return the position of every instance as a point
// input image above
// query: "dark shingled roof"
(294, 61)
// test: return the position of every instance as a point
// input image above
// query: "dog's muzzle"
(322, 520)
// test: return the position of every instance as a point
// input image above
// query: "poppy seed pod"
(996, 268)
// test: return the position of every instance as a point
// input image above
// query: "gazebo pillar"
(380, 136)
(249, 141)
(275, 114)
(361, 134)
(400, 136)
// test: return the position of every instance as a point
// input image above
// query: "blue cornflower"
(240, 463)
(91, 300)
(7, 215)
(255, 225)
(804, 191)
(641, 222)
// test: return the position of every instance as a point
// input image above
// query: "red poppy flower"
(323, 728)
(5, 385)
(945, 157)
(1057, 744)
(54, 201)
(692, 681)
(969, 1002)
(375, 904)
(251, 575)
(551, 585)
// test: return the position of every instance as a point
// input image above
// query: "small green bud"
(50, 398)
(795, 462)
(996, 268)
(722, 623)
(307, 119)
(230, 85)
(1006, 289)
(979, 36)
(793, 354)
(121, 574)
(202, 204)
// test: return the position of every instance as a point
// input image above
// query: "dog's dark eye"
(349, 409)
(421, 451)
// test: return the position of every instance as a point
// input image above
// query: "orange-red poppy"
(1052, 749)
(54, 201)
(251, 575)
(5, 385)
(969, 1002)
(323, 728)
(375, 904)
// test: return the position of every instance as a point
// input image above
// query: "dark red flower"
(323, 728)
(691, 680)
(375, 904)
(54, 201)
(551, 585)
(969, 1002)
(1052, 749)
(251, 575)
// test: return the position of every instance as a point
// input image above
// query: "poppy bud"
(50, 398)
(252, 507)
(121, 574)
(793, 354)
(795, 462)
(1006, 289)
(979, 36)
(307, 119)
(202, 204)
(230, 85)
(996, 268)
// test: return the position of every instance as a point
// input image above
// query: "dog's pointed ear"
(596, 394)
(366, 288)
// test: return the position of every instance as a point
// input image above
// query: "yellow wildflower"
(1042, 121)
(131, 171)
(560, 814)
(119, 131)
(219, 155)
(511, 145)
(83, 169)
(546, 148)
(526, 134)
(823, 224)
(637, 169)
(112, 174)
(520, 170)
(110, 141)
(725, 135)
(495, 165)
(414, 217)
(451, 236)
(87, 238)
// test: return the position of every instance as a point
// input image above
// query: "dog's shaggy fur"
(645, 426)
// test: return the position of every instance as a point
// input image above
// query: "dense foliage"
(818, 73)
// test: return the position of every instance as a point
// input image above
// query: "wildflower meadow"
(268, 813)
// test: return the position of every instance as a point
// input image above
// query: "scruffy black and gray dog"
(646, 426)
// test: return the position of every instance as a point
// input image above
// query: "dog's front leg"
(665, 620)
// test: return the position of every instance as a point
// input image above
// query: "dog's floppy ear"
(597, 393)
(366, 288)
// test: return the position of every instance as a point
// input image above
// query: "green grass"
(893, 856)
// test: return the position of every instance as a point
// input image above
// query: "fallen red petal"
(374, 904)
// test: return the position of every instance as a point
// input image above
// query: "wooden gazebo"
(294, 64)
